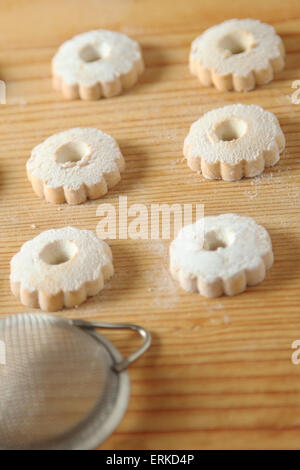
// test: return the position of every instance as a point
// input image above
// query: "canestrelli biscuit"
(75, 165)
(60, 268)
(237, 55)
(96, 64)
(234, 141)
(221, 255)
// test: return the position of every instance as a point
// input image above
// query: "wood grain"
(219, 373)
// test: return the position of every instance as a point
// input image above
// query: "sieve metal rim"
(98, 435)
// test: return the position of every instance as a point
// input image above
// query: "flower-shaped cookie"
(95, 64)
(234, 141)
(75, 165)
(221, 255)
(60, 268)
(237, 54)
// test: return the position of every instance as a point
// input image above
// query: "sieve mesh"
(55, 378)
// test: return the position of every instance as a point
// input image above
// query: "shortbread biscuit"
(75, 165)
(221, 255)
(234, 141)
(96, 64)
(60, 268)
(237, 54)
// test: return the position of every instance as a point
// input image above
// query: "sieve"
(63, 385)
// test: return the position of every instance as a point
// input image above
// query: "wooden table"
(219, 373)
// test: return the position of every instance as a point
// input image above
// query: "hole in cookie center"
(231, 129)
(90, 53)
(237, 42)
(71, 152)
(217, 239)
(213, 241)
(59, 252)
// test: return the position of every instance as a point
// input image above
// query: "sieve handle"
(122, 365)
